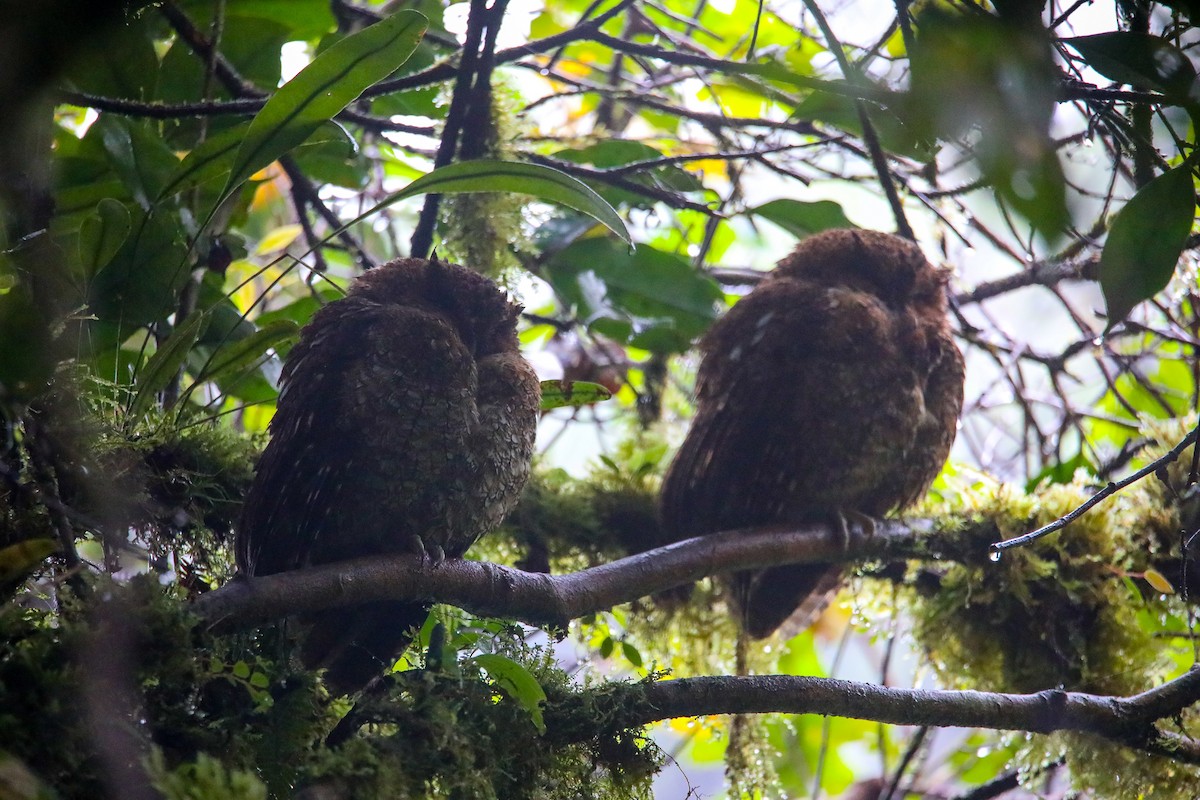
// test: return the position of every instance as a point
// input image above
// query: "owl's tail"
(357, 644)
(794, 594)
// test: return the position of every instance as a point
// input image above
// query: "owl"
(405, 422)
(833, 388)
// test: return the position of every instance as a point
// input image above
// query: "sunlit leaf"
(557, 394)
(1145, 241)
(18, 560)
(518, 683)
(1158, 581)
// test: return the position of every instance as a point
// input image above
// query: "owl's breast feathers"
(833, 387)
(407, 413)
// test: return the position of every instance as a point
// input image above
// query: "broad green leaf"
(162, 367)
(518, 682)
(236, 356)
(1145, 241)
(330, 82)
(485, 175)
(138, 156)
(213, 157)
(803, 219)
(557, 394)
(1139, 59)
(649, 298)
(141, 283)
(102, 235)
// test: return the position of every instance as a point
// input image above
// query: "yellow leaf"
(278, 239)
(1158, 581)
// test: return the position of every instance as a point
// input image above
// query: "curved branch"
(540, 599)
(1125, 720)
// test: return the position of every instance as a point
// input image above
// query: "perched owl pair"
(408, 415)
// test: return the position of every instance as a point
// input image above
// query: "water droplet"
(994, 554)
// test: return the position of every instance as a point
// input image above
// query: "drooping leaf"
(517, 682)
(1139, 59)
(803, 219)
(557, 394)
(1145, 240)
(102, 235)
(486, 175)
(162, 367)
(330, 82)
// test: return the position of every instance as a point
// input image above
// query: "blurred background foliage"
(172, 217)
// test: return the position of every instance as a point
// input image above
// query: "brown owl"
(406, 422)
(834, 387)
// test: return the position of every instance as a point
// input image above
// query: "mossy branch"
(492, 590)
(1125, 720)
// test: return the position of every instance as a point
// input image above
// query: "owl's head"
(887, 266)
(478, 308)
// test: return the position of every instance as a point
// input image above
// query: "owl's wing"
(363, 389)
(807, 407)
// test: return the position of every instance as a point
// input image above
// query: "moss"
(230, 717)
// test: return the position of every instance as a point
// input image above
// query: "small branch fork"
(1108, 491)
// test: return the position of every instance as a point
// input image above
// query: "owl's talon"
(436, 555)
(868, 523)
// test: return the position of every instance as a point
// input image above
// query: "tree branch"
(1126, 720)
(539, 599)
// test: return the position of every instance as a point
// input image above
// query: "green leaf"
(803, 219)
(18, 560)
(102, 235)
(978, 76)
(1145, 241)
(162, 367)
(485, 175)
(1139, 59)
(236, 356)
(214, 156)
(649, 298)
(138, 156)
(142, 282)
(557, 394)
(632, 654)
(330, 82)
(518, 682)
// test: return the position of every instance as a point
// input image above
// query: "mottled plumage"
(407, 413)
(834, 387)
